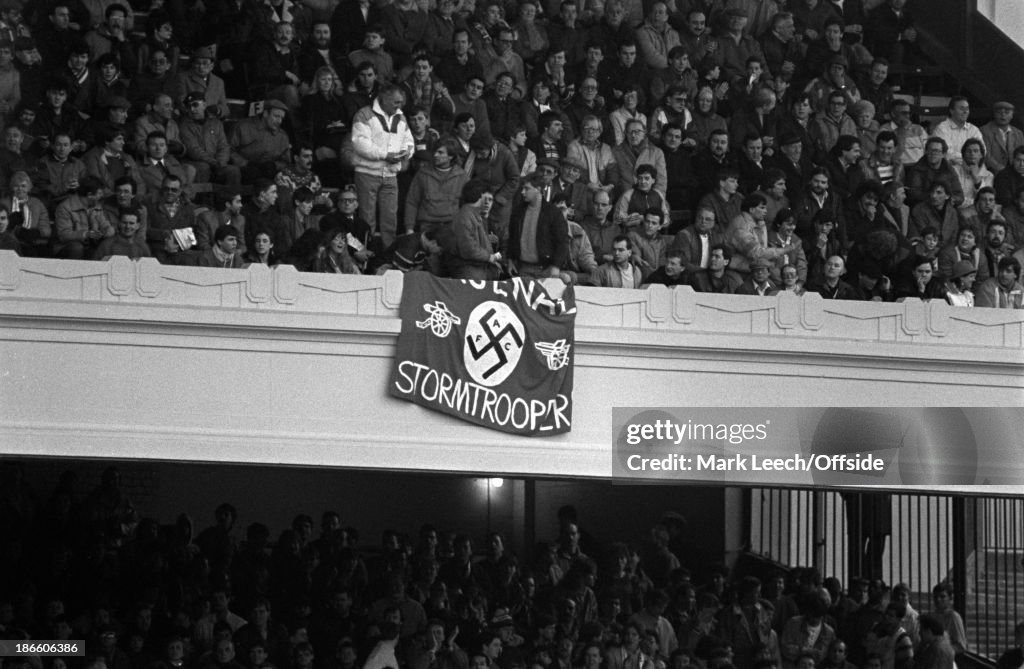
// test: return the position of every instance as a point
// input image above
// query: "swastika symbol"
(495, 341)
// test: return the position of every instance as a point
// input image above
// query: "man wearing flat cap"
(259, 146)
(206, 144)
(1001, 138)
(759, 282)
(200, 78)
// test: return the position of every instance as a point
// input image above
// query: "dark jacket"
(552, 234)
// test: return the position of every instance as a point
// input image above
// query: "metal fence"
(975, 543)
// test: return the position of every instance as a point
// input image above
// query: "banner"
(495, 353)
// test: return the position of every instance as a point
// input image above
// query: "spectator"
(642, 197)
(332, 257)
(922, 283)
(1010, 179)
(910, 137)
(1000, 138)
(58, 173)
(649, 246)
(201, 79)
(474, 255)
(935, 651)
(168, 210)
(28, 217)
(959, 289)
(538, 235)
(434, 194)
(262, 215)
(956, 129)
(620, 271)
(125, 242)
(224, 251)
(1003, 290)
(942, 594)
(227, 210)
(81, 222)
(107, 160)
(206, 144)
(937, 212)
(262, 251)
(157, 163)
(831, 123)
(747, 234)
(672, 273)
(493, 163)
(159, 119)
(831, 286)
(717, 277)
(383, 146)
(259, 146)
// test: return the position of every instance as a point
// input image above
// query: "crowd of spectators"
(147, 593)
(747, 146)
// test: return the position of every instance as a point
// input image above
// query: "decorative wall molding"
(659, 309)
(136, 359)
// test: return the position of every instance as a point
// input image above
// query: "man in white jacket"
(382, 145)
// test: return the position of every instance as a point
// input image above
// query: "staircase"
(995, 599)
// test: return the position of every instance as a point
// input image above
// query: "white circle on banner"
(494, 343)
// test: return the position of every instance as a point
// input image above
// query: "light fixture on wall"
(496, 483)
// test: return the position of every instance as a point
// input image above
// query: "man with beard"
(993, 248)
(549, 143)
(710, 159)
(817, 197)
(317, 53)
